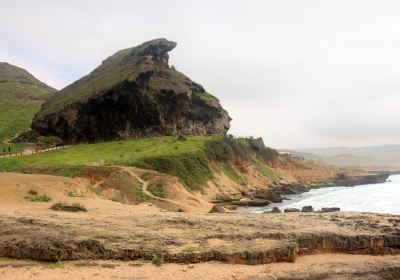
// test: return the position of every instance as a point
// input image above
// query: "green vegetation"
(321, 184)
(230, 173)
(192, 168)
(265, 170)
(188, 159)
(73, 194)
(141, 196)
(157, 190)
(225, 148)
(40, 198)
(15, 148)
(15, 114)
(157, 259)
(185, 159)
(76, 207)
(21, 96)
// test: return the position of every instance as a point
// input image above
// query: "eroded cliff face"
(133, 94)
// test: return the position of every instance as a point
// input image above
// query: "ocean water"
(377, 198)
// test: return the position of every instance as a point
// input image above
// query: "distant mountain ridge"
(21, 95)
(368, 155)
(20, 83)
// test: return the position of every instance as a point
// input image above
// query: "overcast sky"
(298, 73)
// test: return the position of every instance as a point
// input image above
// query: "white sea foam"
(377, 198)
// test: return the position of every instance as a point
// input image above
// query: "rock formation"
(134, 93)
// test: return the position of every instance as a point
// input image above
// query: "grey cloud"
(299, 73)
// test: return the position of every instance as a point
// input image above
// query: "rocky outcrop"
(233, 238)
(343, 179)
(134, 93)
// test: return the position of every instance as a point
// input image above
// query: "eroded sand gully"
(112, 231)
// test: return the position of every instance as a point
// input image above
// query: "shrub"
(157, 190)
(40, 198)
(49, 141)
(73, 194)
(225, 148)
(157, 260)
(29, 136)
(76, 207)
(141, 195)
(33, 192)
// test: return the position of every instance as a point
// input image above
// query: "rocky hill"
(21, 96)
(132, 94)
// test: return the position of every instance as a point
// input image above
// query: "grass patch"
(141, 196)
(321, 184)
(157, 190)
(76, 207)
(40, 198)
(265, 170)
(192, 168)
(188, 159)
(73, 194)
(157, 260)
(230, 173)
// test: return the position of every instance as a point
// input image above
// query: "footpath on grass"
(31, 150)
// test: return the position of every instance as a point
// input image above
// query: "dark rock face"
(133, 94)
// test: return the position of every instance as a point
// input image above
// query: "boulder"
(307, 209)
(251, 203)
(217, 208)
(273, 210)
(290, 210)
(330, 209)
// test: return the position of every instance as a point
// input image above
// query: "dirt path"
(145, 185)
(30, 151)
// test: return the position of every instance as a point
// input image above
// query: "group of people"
(5, 150)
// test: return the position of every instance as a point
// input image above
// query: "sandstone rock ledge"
(194, 238)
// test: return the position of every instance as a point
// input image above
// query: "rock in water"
(274, 210)
(134, 93)
(330, 209)
(307, 209)
(291, 210)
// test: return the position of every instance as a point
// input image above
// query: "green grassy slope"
(21, 96)
(187, 159)
(165, 154)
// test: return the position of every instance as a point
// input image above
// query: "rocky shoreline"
(276, 194)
